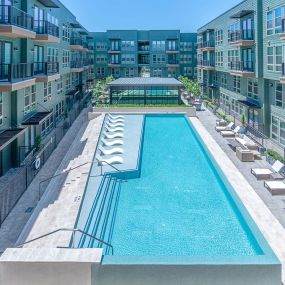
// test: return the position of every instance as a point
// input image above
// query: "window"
(219, 37)
(115, 45)
(157, 72)
(65, 58)
(187, 71)
(278, 58)
(236, 84)
(67, 82)
(172, 45)
(65, 33)
(252, 89)
(279, 95)
(1, 108)
(220, 58)
(59, 86)
(51, 19)
(224, 80)
(52, 55)
(270, 59)
(158, 58)
(129, 72)
(269, 21)
(47, 126)
(278, 20)
(128, 58)
(233, 58)
(186, 46)
(101, 46)
(100, 71)
(158, 45)
(30, 99)
(101, 59)
(278, 130)
(47, 91)
(128, 45)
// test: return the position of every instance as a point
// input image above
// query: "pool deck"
(271, 228)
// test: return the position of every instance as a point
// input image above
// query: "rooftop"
(146, 81)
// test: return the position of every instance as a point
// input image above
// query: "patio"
(276, 204)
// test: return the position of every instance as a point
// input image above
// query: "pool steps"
(104, 209)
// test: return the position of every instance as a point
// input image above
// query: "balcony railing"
(46, 68)
(10, 15)
(207, 63)
(283, 69)
(244, 35)
(173, 61)
(16, 72)
(243, 66)
(283, 25)
(77, 64)
(43, 27)
(206, 44)
(114, 62)
(76, 41)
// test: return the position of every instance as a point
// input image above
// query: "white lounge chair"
(114, 150)
(232, 133)
(246, 142)
(115, 125)
(114, 130)
(116, 121)
(275, 187)
(229, 127)
(113, 136)
(116, 116)
(112, 143)
(267, 174)
(110, 160)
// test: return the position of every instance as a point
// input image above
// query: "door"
(39, 20)
(38, 59)
(247, 29)
(6, 60)
(247, 60)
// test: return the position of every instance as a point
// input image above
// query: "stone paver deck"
(276, 204)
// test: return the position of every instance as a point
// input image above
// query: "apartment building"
(230, 63)
(131, 53)
(46, 67)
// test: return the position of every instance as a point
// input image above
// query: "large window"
(274, 20)
(66, 33)
(30, 99)
(278, 130)
(128, 45)
(158, 45)
(279, 101)
(236, 84)
(278, 58)
(269, 21)
(65, 58)
(47, 91)
(252, 89)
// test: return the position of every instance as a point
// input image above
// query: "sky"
(184, 15)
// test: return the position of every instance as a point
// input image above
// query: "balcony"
(172, 51)
(206, 46)
(46, 32)
(172, 63)
(114, 50)
(77, 65)
(244, 38)
(282, 79)
(46, 71)
(77, 44)
(242, 69)
(16, 76)
(207, 64)
(114, 64)
(15, 23)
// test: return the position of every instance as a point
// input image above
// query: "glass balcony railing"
(76, 41)
(206, 44)
(243, 66)
(173, 61)
(46, 68)
(43, 27)
(77, 64)
(244, 35)
(207, 63)
(10, 15)
(16, 72)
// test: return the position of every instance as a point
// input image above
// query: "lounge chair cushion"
(275, 187)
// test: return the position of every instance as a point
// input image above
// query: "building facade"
(46, 67)
(130, 53)
(230, 64)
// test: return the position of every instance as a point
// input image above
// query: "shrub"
(275, 155)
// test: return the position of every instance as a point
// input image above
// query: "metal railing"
(206, 44)
(77, 64)
(246, 66)
(74, 231)
(14, 72)
(44, 27)
(46, 68)
(76, 41)
(245, 35)
(100, 162)
(10, 15)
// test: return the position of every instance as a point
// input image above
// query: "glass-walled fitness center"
(145, 91)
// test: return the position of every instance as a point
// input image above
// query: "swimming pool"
(179, 205)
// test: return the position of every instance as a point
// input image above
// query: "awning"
(9, 136)
(36, 119)
(241, 14)
(248, 104)
(83, 33)
(72, 93)
(75, 25)
(49, 3)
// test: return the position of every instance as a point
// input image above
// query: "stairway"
(101, 218)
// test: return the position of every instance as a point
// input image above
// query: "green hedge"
(275, 155)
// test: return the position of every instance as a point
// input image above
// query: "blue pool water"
(179, 206)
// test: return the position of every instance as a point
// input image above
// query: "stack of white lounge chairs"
(112, 141)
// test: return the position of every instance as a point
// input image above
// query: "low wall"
(187, 275)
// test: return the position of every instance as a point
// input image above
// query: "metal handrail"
(74, 231)
(103, 161)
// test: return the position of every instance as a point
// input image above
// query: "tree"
(190, 86)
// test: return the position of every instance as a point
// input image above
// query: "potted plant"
(243, 124)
